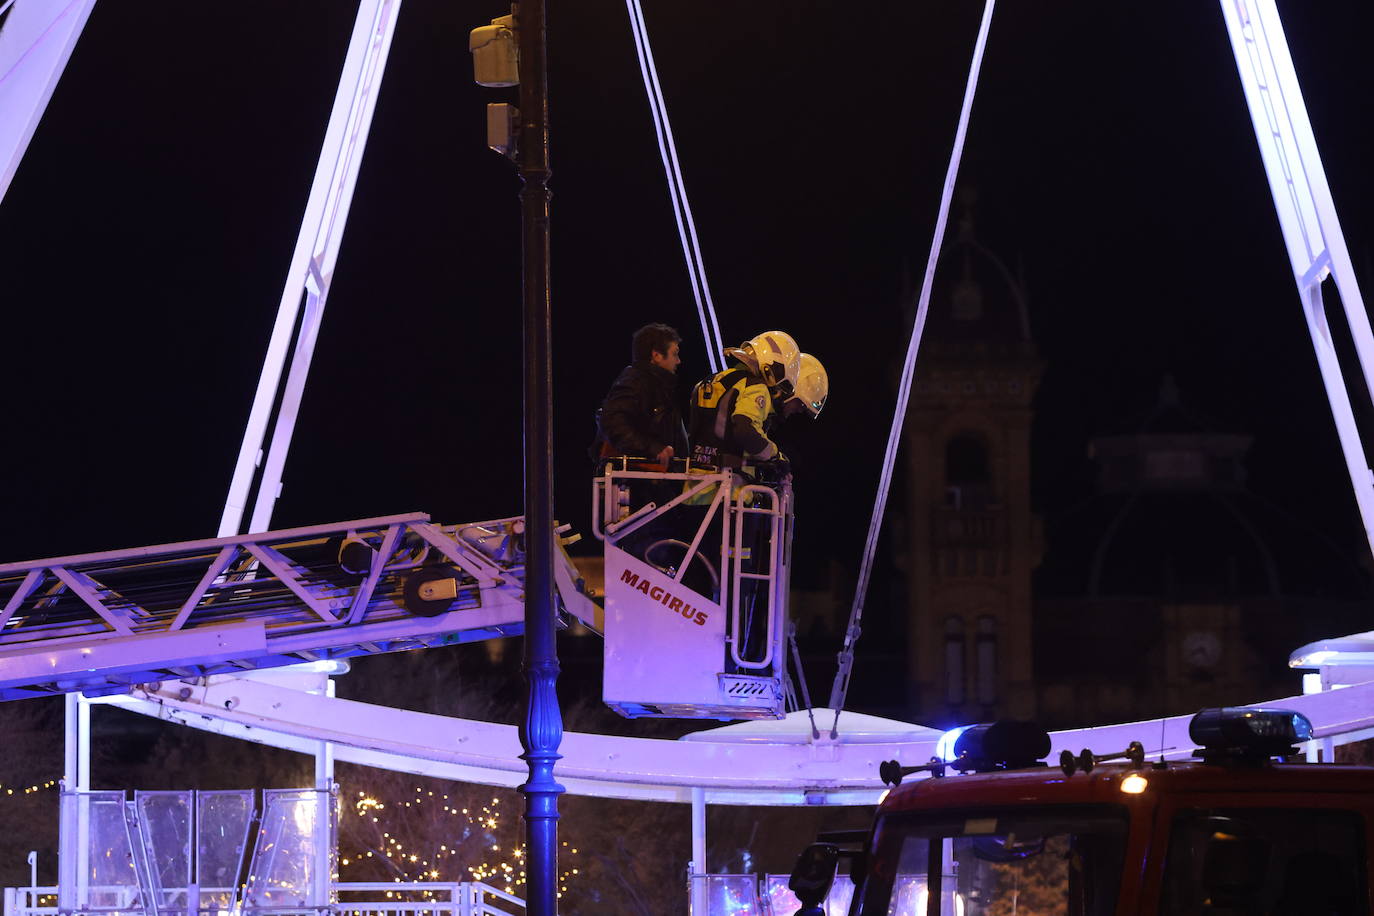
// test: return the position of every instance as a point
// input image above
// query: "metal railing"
(30, 901)
(729, 500)
(763, 503)
(355, 898)
(437, 898)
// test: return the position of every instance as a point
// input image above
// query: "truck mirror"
(813, 875)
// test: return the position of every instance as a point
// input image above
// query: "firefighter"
(731, 410)
(731, 413)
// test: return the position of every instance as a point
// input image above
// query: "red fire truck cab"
(1235, 832)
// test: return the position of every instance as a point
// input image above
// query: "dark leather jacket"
(640, 414)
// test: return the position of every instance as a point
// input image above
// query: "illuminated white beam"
(729, 773)
(36, 42)
(312, 266)
(1307, 215)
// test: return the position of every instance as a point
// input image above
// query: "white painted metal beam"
(1307, 215)
(66, 664)
(35, 44)
(824, 772)
(101, 621)
(135, 553)
(312, 266)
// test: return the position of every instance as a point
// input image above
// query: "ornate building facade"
(1158, 582)
(973, 540)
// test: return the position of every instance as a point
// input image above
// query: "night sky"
(144, 242)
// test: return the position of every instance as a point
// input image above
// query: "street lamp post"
(542, 729)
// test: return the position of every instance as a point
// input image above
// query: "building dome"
(1172, 519)
(976, 297)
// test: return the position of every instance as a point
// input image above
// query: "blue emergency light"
(1247, 733)
(1001, 746)
(979, 749)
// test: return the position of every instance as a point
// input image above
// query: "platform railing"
(424, 898)
(31, 901)
(765, 504)
(731, 502)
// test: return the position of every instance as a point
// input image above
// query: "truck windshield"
(1046, 861)
(1265, 860)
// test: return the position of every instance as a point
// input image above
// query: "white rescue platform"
(696, 583)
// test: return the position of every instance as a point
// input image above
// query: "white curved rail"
(821, 773)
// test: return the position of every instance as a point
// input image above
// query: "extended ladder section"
(696, 583)
(101, 622)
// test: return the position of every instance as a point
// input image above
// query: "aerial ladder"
(101, 623)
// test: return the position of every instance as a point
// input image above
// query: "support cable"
(851, 635)
(801, 679)
(682, 211)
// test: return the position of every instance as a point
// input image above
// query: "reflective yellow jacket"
(730, 411)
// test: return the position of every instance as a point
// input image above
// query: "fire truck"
(1241, 829)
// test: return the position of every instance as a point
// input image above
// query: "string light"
(30, 790)
(412, 864)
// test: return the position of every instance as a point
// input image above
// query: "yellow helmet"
(774, 355)
(813, 385)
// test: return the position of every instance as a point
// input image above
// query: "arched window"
(985, 650)
(968, 472)
(954, 661)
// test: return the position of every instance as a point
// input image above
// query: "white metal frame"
(816, 773)
(366, 898)
(467, 898)
(773, 580)
(733, 498)
(23, 901)
(1307, 215)
(312, 268)
(36, 42)
(69, 623)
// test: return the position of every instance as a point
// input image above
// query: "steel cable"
(846, 657)
(682, 211)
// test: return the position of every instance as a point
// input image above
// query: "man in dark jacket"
(640, 415)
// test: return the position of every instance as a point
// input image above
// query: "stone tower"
(973, 541)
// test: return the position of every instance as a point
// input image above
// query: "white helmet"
(813, 385)
(774, 355)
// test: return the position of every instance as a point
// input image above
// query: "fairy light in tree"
(401, 847)
(29, 790)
